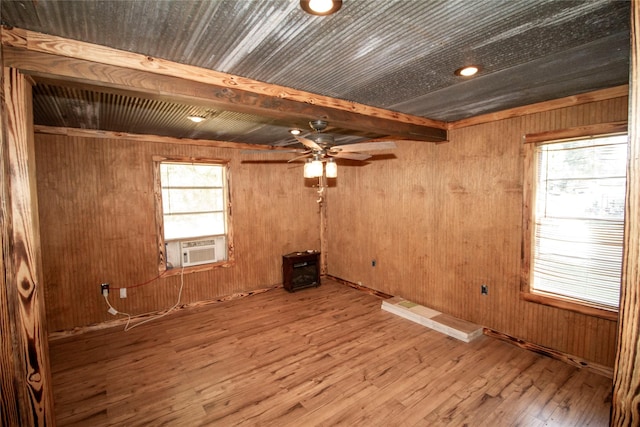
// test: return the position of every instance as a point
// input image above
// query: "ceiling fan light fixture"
(295, 131)
(331, 169)
(321, 7)
(467, 71)
(307, 169)
(315, 168)
(196, 119)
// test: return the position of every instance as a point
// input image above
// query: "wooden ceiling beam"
(65, 60)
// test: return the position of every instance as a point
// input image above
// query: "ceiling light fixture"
(321, 7)
(313, 168)
(316, 167)
(467, 71)
(196, 119)
(331, 169)
(307, 169)
(295, 131)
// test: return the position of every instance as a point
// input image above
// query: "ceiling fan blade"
(269, 151)
(365, 146)
(306, 154)
(350, 156)
(308, 143)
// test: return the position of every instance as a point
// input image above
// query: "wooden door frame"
(625, 409)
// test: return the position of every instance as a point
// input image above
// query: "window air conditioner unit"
(196, 252)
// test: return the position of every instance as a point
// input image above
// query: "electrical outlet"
(104, 289)
(123, 292)
(484, 290)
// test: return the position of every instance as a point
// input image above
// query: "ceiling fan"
(320, 149)
(320, 146)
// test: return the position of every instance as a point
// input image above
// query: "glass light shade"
(331, 169)
(307, 169)
(316, 168)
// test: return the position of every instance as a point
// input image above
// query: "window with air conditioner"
(576, 214)
(193, 211)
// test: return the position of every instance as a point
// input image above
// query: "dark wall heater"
(300, 270)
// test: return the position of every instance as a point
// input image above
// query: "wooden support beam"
(10, 366)
(21, 253)
(626, 380)
(84, 63)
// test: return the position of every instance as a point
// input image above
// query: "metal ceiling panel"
(392, 54)
(60, 106)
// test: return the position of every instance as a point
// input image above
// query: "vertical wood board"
(626, 384)
(24, 285)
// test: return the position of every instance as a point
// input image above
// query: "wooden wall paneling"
(98, 225)
(546, 106)
(23, 281)
(626, 384)
(441, 220)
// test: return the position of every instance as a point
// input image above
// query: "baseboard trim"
(358, 287)
(56, 335)
(554, 354)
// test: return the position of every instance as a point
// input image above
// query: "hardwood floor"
(319, 357)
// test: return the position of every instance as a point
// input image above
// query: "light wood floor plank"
(322, 356)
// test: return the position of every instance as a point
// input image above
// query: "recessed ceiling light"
(321, 7)
(295, 131)
(196, 119)
(467, 71)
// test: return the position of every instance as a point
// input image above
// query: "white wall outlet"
(123, 292)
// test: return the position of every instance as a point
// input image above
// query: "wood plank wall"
(97, 225)
(441, 220)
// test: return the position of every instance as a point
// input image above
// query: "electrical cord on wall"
(128, 325)
(143, 283)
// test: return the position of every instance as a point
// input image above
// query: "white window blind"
(193, 201)
(579, 219)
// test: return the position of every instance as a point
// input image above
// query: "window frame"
(157, 185)
(531, 141)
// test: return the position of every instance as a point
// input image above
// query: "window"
(576, 194)
(192, 210)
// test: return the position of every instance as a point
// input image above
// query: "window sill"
(195, 269)
(571, 305)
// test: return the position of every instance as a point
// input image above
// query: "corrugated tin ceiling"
(398, 55)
